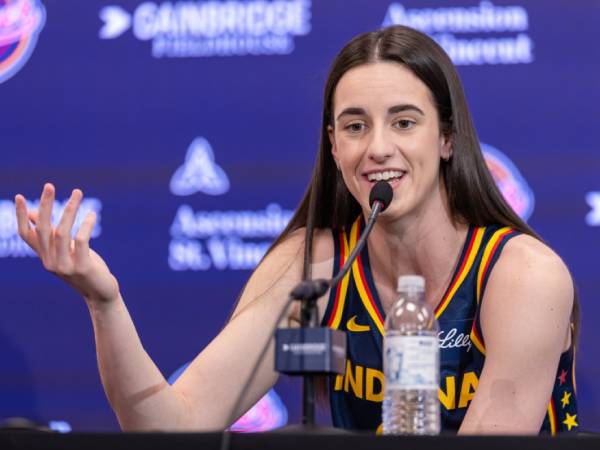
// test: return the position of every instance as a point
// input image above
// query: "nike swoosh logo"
(351, 325)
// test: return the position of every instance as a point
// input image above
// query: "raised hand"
(69, 258)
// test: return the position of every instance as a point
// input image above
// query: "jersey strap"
(337, 298)
(491, 253)
(465, 263)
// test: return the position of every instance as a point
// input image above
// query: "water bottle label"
(411, 362)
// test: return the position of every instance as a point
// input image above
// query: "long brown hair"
(473, 197)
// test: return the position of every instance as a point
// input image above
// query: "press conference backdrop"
(192, 128)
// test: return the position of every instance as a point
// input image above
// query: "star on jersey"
(565, 399)
(570, 421)
(562, 377)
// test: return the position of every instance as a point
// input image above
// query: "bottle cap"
(411, 283)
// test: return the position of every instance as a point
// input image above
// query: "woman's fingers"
(62, 234)
(58, 251)
(81, 250)
(33, 216)
(44, 223)
(22, 216)
(69, 258)
(23, 226)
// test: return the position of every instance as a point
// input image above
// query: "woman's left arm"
(525, 319)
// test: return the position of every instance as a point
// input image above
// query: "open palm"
(69, 258)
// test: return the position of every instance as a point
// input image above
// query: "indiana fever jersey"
(355, 308)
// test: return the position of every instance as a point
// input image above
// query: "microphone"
(382, 192)
(380, 198)
(311, 349)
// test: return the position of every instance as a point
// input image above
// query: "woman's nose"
(380, 146)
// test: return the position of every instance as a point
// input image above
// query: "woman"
(393, 109)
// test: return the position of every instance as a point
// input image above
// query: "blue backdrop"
(192, 127)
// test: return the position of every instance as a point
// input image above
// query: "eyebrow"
(355, 111)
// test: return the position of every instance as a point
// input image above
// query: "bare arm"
(203, 396)
(525, 323)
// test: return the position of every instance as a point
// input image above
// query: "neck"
(428, 245)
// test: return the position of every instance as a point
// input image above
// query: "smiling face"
(385, 127)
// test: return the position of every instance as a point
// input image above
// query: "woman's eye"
(404, 123)
(355, 127)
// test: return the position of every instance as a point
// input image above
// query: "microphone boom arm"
(312, 290)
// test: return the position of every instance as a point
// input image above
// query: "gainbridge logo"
(20, 24)
(209, 28)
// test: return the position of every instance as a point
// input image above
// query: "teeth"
(385, 175)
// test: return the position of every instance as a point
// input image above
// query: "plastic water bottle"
(411, 363)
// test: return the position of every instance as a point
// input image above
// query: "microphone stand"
(292, 348)
(309, 318)
(308, 292)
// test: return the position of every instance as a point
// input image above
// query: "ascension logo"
(221, 240)
(20, 23)
(509, 180)
(187, 29)
(473, 35)
(199, 172)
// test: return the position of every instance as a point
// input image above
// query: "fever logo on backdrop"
(20, 23)
(509, 180)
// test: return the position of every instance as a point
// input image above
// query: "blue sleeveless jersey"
(355, 308)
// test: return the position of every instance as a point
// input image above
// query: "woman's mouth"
(393, 177)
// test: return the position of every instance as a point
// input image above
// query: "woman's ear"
(446, 147)
(333, 146)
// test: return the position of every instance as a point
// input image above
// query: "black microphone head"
(381, 192)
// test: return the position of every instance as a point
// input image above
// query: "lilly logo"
(20, 23)
(509, 180)
(199, 172)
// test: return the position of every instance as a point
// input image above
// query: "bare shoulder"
(290, 252)
(281, 269)
(529, 282)
(527, 260)
(323, 253)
